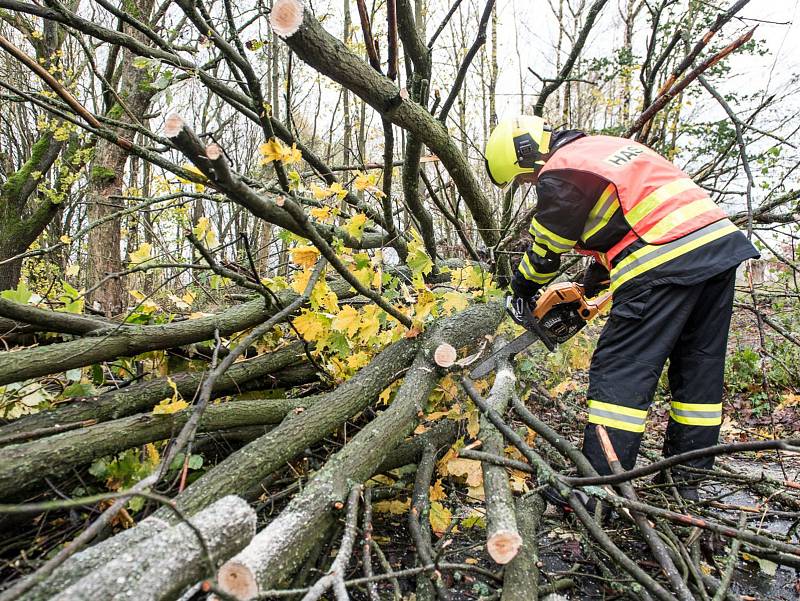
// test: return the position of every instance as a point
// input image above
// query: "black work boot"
(554, 498)
(685, 484)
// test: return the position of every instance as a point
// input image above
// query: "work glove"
(524, 293)
(518, 307)
(595, 279)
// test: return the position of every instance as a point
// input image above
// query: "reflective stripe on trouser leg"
(617, 416)
(696, 414)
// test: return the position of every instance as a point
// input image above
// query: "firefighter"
(669, 255)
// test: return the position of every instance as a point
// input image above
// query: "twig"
(657, 466)
(727, 574)
(335, 576)
(663, 99)
(480, 40)
(366, 548)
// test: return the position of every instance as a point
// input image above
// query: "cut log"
(144, 395)
(502, 539)
(521, 576)
(445, 355)
(164, 564)
(279, 548)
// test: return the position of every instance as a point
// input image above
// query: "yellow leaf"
(65, 239)
(452, 453)
(355, 225)
(364, 181)
(424, 306)
(171, 404)
(563, 387)
(292, 155)
(440, 518)
(312, 325)
(370, 321)
(473, 423)
(141, 254)
(454, 301)
(321, 213)
(271, 150)
(467, 468)
(153, 456)
(305, 256)
(471, 561)
(72, 270)
(437, 491)
(189, 297)
(336, 188)
(347, 320)
(168, 406)
(395, 507)
(319, 193)
(204, 232)
(358, 360)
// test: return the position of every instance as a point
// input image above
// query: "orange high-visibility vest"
(659, 201)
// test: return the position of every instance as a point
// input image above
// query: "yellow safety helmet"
(517, 145)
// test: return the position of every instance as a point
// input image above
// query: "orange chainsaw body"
(570, 292)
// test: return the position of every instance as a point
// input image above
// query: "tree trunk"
(106, 178)
(127, 341)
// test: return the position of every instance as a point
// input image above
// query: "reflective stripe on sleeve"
(696, 414)
(617, 416)
(651, 256)
(605, 207)
(545, 237)
(530, 273)
(539, 250)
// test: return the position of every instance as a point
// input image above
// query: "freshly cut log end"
(286, 17)
(173, 125)
(445, 355)
(238, 580)
(503, 546)
(213, 151)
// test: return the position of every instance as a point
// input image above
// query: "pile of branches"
(208, 539)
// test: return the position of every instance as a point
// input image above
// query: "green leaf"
(20, 295)
(195, 462)
(99, 468)
(418, 260)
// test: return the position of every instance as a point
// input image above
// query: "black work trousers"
(687, 325)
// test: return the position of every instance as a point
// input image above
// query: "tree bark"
(23, 465)
(521, 576)
(126, 341)
(88, 560)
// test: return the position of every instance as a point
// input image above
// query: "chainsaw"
(561, 311)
